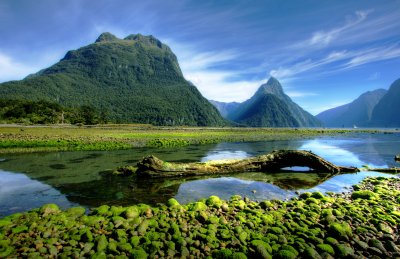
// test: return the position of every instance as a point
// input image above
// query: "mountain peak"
(149, 40)
(106, 37)
(271, 87)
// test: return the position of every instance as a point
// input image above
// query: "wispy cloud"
(338, 61)
(323, 38)
(202, 69)
(373, 55)
(299, 94)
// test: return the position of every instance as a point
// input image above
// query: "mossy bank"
(20, 139)
(364, 223)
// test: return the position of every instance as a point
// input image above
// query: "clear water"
(83, 178)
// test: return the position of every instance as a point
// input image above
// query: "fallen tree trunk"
(151, 166)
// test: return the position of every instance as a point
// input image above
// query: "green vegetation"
(135, 80)
(45, 112)
(327, 226)
(270, 107)
(110, 137)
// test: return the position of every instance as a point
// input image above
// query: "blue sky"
(325, 53)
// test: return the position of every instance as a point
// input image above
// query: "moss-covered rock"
(306, 228)
(364, 194)
(340, 230)
(214, 201)
(49, 209)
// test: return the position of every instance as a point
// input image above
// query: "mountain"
(225, 108)
(386, 112)
(136, 80)
(271, 107)
(358, 112)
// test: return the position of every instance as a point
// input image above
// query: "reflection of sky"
(226, 187)
(334, 154)
(30, 193)
(224, 154)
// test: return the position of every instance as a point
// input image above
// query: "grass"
(17, 139)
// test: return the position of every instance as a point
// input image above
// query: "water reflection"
(19, 193)
(70, 178)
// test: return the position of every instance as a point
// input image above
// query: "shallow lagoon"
(83, 178)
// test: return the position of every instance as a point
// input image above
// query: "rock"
(374, 251)
(172, 203)
(343, 250)
(378, 244)
(132, 212)
(225, 207)
(214, 201)
(310, 252)
(391, 247)
(49, 209)
(325, 248)
(364, 194)
(340, 230)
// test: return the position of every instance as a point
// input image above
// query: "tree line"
(46, 112)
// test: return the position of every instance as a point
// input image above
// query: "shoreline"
(361, 223)
(50, 138)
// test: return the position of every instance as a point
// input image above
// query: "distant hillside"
(387, 110)
(136, 79)
(270, 107)
(358, 112)
(225, 108)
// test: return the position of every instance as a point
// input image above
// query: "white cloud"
(324, 38)
(11, 69)
(299, 94)
(214, 83)
(373, 55)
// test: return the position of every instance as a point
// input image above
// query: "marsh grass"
(17, 139)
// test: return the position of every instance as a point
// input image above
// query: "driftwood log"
(152, 166)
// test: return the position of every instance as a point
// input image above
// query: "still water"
(83, 178)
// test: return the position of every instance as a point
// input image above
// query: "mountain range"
(268, 107)
(356, 113)
(378, 108)
(136, 79)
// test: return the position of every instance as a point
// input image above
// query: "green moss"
(49, 209)
(102, 210)
(197, 206)
(252, 231)
(172, 203)
(364, 194)
(214, 201)
(75, 212)
(310, 252)
(326, 248)
(239, 255)
(285, 254)
(317, 195)
(340, 230)
(19, 229)
(102, 243)
(343, 250)
(222, 254)
(139, 254)
(132, 212)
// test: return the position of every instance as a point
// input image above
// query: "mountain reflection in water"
(83, 178)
